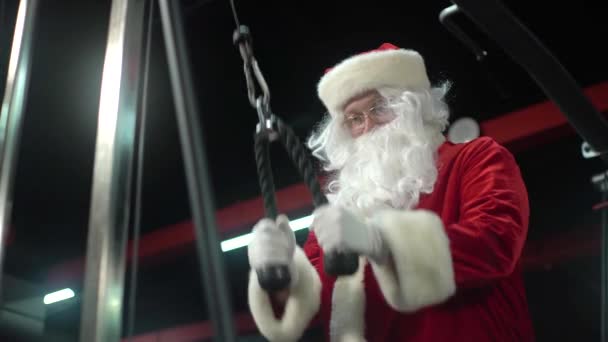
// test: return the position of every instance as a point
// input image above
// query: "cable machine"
(559, 86)
(121, 100)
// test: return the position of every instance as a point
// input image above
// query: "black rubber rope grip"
(273, 278)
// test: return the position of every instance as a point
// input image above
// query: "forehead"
(361, 101)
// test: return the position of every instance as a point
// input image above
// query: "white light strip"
(227, 245)
(58, 296)
(243, 240)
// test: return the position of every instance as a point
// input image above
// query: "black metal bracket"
(546, 70)
(446, 18)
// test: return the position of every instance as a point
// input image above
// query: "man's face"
(366, 111)
(381, 152)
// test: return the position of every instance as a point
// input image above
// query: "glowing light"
(243, 240)
(58, 296)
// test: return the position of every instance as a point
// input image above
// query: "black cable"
(234, 15)
(2, 48)
(139, 175)
(276, 277)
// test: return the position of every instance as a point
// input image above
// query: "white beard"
(389, 167)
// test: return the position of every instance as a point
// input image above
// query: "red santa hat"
(386, 66)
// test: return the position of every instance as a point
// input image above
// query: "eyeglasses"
(380, 113)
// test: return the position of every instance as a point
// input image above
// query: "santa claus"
(439, 226)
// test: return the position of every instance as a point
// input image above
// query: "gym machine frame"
(119, 105)
(11, 114)
(559, 86)
(118, 109)
(105, 264)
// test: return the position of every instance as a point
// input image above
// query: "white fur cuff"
(422, 273)
(303, 303)
(348, 307)
(388, 68)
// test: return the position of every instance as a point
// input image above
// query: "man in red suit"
(439, 226)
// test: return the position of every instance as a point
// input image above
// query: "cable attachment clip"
(242, 38)
(267, 124)
(253, 75)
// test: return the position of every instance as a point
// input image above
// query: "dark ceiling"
(293, 42)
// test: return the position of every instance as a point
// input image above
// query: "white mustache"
(388, 167)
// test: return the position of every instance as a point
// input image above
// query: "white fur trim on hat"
(303, 303)
(372, 70)
(422, 273)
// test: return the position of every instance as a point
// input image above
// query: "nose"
(369, 124)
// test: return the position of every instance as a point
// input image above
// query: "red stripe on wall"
(522, 129)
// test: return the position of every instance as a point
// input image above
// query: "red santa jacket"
(455, 274)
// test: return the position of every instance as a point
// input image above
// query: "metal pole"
(601, 183)
(197, 175)
(604, 264)
(11, 115)
(139, 177)
(105, 264)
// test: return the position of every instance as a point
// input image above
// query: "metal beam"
(13, 108)
(197, 173)
(109, 216)
(528, 51)
(542, 66)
